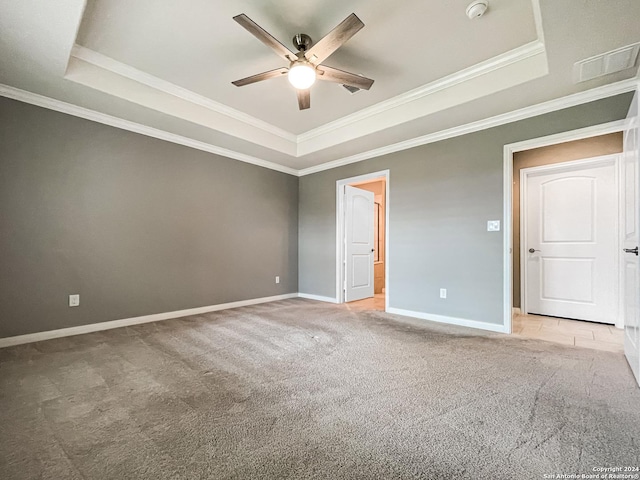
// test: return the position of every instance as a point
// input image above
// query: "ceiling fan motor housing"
(302, 42)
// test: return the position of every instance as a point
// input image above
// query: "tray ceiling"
(202, 49)
(168, 66)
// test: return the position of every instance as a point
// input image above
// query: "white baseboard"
(156, 317)
(125, 322)
(463, 322)
(516, 311)
(317, 297)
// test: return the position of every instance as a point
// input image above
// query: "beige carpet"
(301, 389)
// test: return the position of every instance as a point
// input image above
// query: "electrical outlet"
(493, 226)
(74, 300)
(277, 279)
(443, 293)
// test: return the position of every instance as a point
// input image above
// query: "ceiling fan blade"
(334, 39)
(331, 74)
(304, 99)
(278, 72)
(261, 34)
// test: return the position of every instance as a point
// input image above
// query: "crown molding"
(537, 18)
(108, 75)
(525, 52)
(124, 70)
(138, 91)
(580, 98)
(570, 136)
(87, 114)
(573, 100)
(511, 69)
(495, 63)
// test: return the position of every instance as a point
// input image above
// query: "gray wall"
(441, 196)
(135, 225)
(139, 226)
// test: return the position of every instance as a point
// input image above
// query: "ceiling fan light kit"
(306, 65)
(301, 75)
(477, 8)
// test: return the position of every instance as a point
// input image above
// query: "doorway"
(362, 204)
(569, 242)
(567, 289)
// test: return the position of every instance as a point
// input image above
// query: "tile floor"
(558, 330)
(374, 303)
(569, 332)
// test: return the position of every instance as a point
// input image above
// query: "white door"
(571, 249)
(630, 173)
(359, 243)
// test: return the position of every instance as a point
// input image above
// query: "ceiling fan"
(305, 66)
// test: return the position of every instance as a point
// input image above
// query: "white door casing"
(507, 191)
(631, 240)
(359, 247)
(570, 220)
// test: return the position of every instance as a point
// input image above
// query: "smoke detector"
(477, 8)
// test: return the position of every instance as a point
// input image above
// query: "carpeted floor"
(301, 389)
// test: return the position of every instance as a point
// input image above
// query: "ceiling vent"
(351, 89)
(606, 63)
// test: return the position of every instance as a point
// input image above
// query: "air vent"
(351, 89)
(606, 63)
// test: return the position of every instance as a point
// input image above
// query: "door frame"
(610, 159)
(340, 231)
(507, 195)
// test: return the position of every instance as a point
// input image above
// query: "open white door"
(358, 227)
(631, 264)
(571, 251)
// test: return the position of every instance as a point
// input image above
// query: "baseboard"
(125, 322)
(463, 322)
(317, 297)
(516, 311)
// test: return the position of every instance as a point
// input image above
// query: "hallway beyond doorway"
(374, 303)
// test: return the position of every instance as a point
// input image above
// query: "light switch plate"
(493, 226)
(74, 300)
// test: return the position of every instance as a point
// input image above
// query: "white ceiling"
(169, 66)
(202, 49)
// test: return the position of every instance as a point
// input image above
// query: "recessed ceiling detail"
(202, 49)
(110, 76)
(168, 67)
(109, 57)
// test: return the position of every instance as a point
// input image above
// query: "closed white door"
(630, 174)
(359, 243)
(571, 250)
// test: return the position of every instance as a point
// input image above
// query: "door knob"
(631, 250)
(531, 250)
